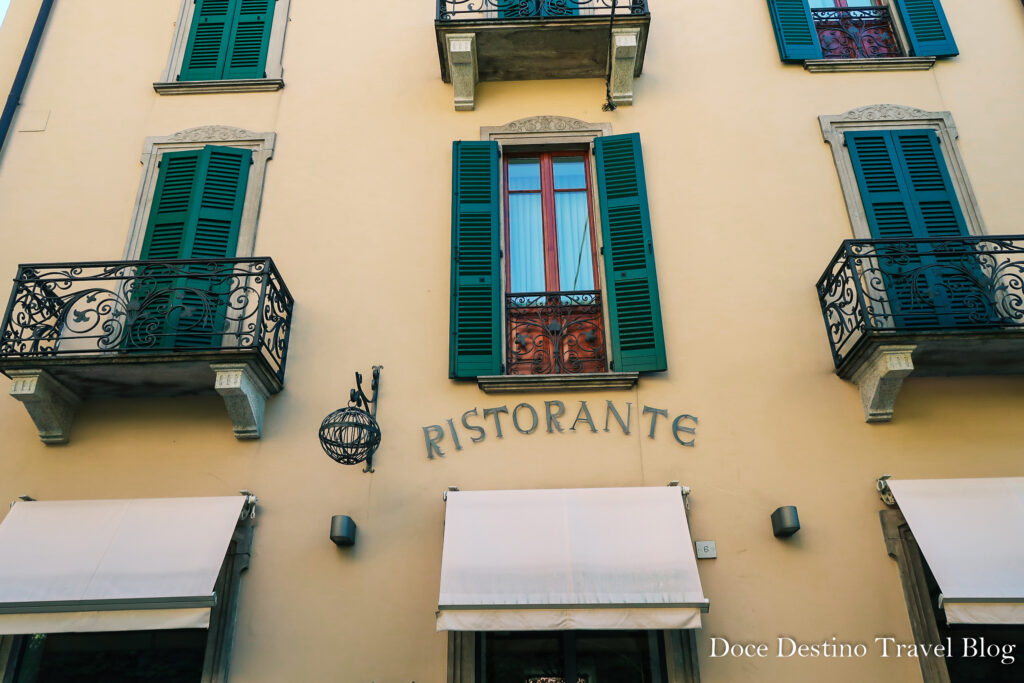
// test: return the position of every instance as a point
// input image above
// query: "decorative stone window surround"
(889, 117)
(262, 146)
(274, 68)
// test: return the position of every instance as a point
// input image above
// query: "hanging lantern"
(351, 435)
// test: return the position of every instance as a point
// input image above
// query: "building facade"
(765, 256)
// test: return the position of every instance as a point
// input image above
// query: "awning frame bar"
(57, 606)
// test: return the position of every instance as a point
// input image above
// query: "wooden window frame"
(550, 227)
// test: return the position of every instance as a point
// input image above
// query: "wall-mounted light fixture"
(351, 435)
(343, 531)
(785, 521)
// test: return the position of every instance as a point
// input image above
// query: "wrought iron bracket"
(359, 398)
(884, 492)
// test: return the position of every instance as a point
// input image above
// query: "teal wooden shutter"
(217, 217)
(794, 30)
(475, 327)
(196, 214)
(926, 28)
(247, 48)
(634, 308)
(206, 51)
(908, 194)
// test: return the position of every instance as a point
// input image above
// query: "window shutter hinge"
(252, 161)
(650, 247)
(602, 250)
(456, 257)
(159, 163)
(501, 253)
(611, 365)
(503, 368)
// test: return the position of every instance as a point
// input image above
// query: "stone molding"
(880, 377)
(545, 130)
(889, 117)
(517, 384)
(245, 396)
(273, 68)
(50, 404)
(237, 85)
(877, 64)
(153, 149)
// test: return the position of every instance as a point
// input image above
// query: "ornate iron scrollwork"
(856, 33)
(555, 333)
(897, 285)
(148, 306)
(451, 10)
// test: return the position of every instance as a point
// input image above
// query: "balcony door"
(553, 304)
(195, 215)
(923, 275)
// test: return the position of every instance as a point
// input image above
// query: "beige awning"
(617, 558)
(112, 565)
(971, 532)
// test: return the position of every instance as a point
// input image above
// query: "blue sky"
(3, 9)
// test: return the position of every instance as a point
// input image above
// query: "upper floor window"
(811, 30)
(547, 309)
(226, 46)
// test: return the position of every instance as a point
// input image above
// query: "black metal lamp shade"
(350, 435)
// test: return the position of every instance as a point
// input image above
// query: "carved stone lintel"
(879, 379)
(213, 134)
(624, 54)
(245, 396)
(462, 63)
(886, 112)
(50, 404)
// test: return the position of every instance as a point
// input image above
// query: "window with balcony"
(511, 40)
(226, 46)
(841, 35)
(527, 293)
(187, 310)
(921, 289)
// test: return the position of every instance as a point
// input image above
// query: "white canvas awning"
(971, 532)
(112, 565)
(617, 558)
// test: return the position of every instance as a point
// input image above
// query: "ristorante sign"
(555, 417)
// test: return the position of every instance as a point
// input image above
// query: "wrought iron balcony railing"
(856, 32)
(486, 10)
(922, 286)
(555, 333)
(148, 307)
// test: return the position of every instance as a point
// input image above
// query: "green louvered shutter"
(475, 347)
(206, 52)
(153, 293)
(247, 47)
(196, 214)
(908, 194)
(926, 27)
(214, 235)
(794, 30)
(634, 308)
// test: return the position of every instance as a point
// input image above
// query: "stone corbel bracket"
(50, 404)
(245, 396)
(880, 378)
(625, 43)
(463, 68)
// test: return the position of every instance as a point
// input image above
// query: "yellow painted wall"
(747, 210)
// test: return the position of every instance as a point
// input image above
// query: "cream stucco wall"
(746, 208)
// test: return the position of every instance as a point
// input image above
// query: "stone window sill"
(877, 64)
(515, 384)
(219, 86)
